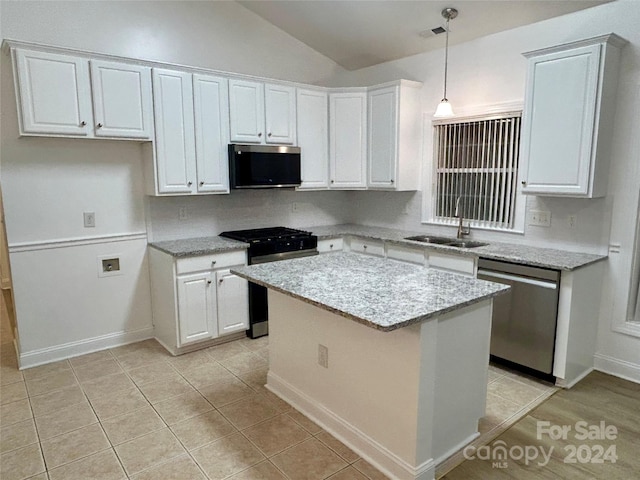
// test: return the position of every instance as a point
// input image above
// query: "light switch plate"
(540, 218)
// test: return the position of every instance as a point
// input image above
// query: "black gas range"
(270, 245)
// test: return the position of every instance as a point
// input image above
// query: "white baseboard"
(379, 456)
(82, 347)
(458, 447)
(619, 368)
(562, 383)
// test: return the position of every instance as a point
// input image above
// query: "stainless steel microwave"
(264, 166)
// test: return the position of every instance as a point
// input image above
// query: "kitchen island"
(391, 358)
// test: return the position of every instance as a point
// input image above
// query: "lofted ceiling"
(358, 34)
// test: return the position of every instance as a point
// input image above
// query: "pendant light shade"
(444, 108)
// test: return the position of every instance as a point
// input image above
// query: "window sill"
(629, 327)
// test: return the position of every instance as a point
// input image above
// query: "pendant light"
(444, 107)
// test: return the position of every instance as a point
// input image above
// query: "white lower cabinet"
(196, 308)
(368, 246)
(232, 291)
(196, 300)
(452, 262)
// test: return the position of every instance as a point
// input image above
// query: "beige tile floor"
(136, 412)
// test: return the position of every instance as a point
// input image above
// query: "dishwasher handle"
(518, 279)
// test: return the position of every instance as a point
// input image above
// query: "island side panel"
(369, 394)
(463, 345)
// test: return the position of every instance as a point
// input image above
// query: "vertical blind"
(477, 163)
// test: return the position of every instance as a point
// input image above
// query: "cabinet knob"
(269, 134)
(221, 280)
(392, 180)
(208, 282)
(524, 183)
(331, 245)
(331, 181)
(189, 184)
(99, 125)
(364, 246)
(201, 183)
(260, 134)
(213, 262)
(82, 124)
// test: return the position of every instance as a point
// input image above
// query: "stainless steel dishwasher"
(524, 320)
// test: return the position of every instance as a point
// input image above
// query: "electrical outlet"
(89, 219)
(183, 213)
(540, 218)
(323, 356)
(572, 220)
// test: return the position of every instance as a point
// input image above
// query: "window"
(476, 170)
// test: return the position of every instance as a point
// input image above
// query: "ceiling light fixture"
(444, 107)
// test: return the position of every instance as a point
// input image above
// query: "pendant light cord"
(446, 60)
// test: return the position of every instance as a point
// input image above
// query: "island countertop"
(381, 293)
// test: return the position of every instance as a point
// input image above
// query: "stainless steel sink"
(450, 242)
(466, 244)
(431, 239)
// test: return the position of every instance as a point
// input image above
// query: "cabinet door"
(383, 137)
(313, 137)
(233, 303)
(280, 114)
(347, 139)
(211, 104)
(55, 94)
(175, 136)
(246, 111)
(558, 123)
(122, 104)
(196, 308)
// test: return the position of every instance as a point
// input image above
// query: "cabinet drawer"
(371, 247)
(404, 254)
(330, 245)
(454, 263)
(209, 262)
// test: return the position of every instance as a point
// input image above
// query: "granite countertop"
(190, 247)
(380, 293)
(509, 252)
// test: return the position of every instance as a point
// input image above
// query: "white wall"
(491, 70)
(47, 183)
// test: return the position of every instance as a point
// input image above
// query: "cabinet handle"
(524, 183)
(260, 134)
(83, 124)
(99, 125)
(189, 184)
(208, 282)
(201, 183)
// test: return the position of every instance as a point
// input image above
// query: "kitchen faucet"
(462, 231)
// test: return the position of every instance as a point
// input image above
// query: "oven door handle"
(274, 257)
(518, 279)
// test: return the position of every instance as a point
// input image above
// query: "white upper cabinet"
(55, 97)
(261, 113)
(54, 93)
(122, 104)
(280, 114)
(313, 137)
(175, 131)
(348, 139)
(394, 136)
(568, 118)
(192, 134)
(246, 103)
(211, 104)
